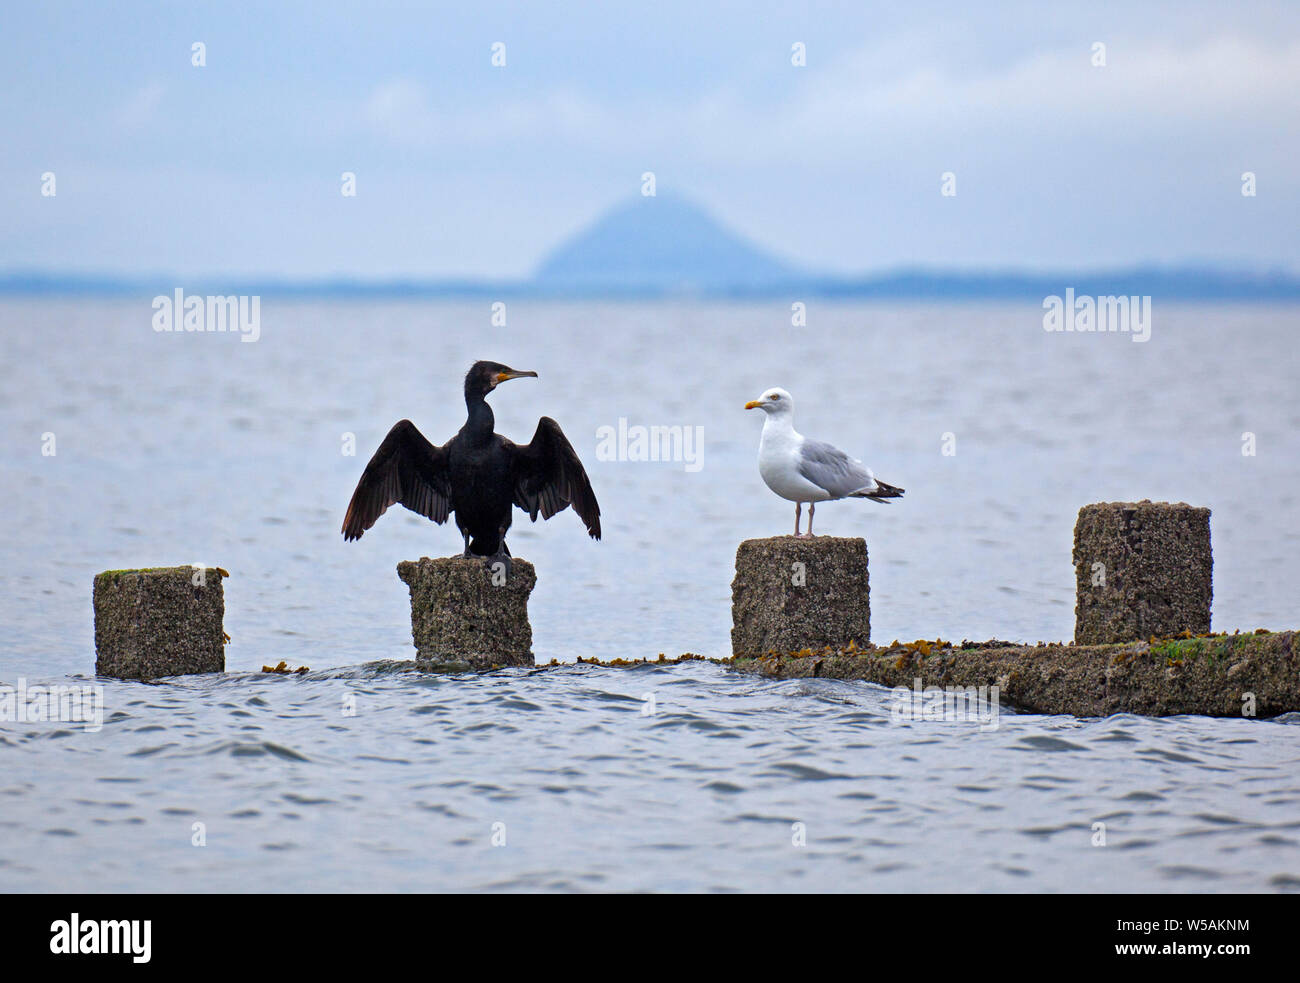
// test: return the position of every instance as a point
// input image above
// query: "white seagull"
(811, 471)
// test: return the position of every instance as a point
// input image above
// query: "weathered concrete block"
(165, 621)
(1142, 569)
(1256, 675)
(790, 594)
(465, 615)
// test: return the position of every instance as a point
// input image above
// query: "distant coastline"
(1163, 283)
(668, 247)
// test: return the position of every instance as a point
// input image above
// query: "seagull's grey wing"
(830, 468)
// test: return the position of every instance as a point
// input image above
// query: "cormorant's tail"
(484, 545)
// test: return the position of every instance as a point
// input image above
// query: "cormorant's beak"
(753, 404)
(509, 374)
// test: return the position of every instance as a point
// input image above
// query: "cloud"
(403, 112)
(872, 104)
(141, 108)
(399, 110)
(1224, 84)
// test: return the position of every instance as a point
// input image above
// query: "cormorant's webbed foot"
(502, 555)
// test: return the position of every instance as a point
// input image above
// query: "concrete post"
(165, 621)
(466, 615)
(1142, 569)
(790, 594)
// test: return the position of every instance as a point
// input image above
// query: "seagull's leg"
(798, 509)
(812, 507)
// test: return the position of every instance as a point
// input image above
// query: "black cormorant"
(478, 474)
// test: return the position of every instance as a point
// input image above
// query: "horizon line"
(1191, 281)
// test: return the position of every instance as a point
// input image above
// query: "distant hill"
(660, 244)
(667, 245)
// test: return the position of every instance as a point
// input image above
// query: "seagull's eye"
(774, 396)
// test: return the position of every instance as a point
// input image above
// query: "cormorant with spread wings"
(477, 475)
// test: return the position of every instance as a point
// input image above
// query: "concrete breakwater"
(1251, 675)
(1142, 628)
(801, 608)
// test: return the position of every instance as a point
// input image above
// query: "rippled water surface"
(703, 794)
(178, 449)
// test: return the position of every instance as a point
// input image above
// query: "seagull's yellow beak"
(513, 374)
(753, 404)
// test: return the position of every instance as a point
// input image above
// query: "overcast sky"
(466, 169)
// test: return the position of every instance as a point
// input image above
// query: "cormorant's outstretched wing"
(549, 478)
(406, 469)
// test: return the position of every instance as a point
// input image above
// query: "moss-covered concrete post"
(469, 615)
(165, 621)
(1142, 569)
(790, 594)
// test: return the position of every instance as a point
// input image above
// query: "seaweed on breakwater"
(662, 660)
(282, 669)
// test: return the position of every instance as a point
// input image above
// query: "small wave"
(255, 749)
(1042, 742)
